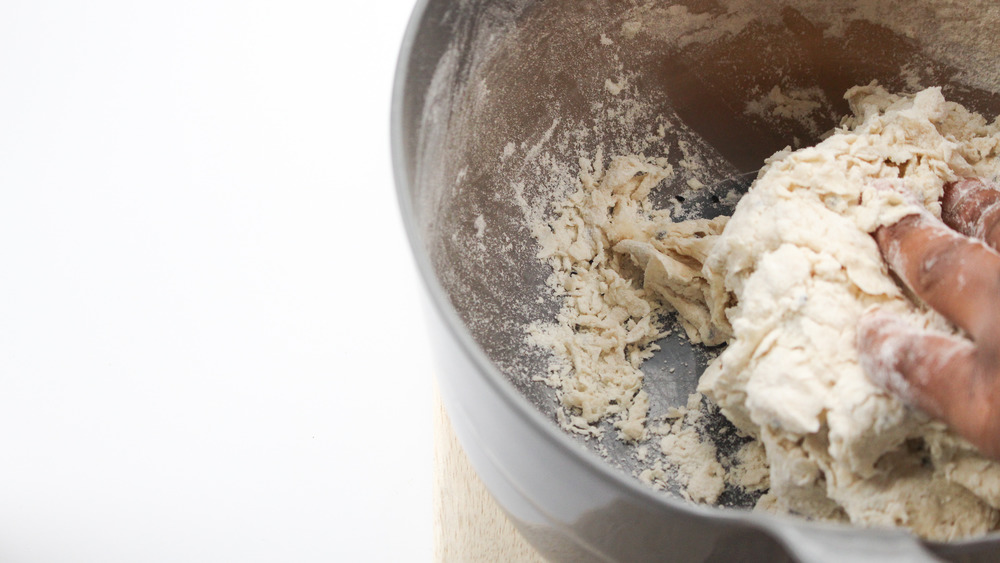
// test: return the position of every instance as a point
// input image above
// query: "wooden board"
(468, 524)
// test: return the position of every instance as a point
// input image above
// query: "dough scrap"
(606, 235)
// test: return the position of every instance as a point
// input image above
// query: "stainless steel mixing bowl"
(494, 103)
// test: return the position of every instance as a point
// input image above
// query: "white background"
(211, 335)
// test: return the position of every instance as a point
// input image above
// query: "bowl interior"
(526, 89)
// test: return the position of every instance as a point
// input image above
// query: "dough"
(799, 260)
(783, 282)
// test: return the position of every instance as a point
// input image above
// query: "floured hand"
(954, 266)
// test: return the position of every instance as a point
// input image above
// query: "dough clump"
(798, 258)
(783, 283)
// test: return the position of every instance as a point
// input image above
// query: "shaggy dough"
(608, 326)
(799, 260)
(783, 282)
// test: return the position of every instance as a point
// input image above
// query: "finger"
(940, 374)
(957, 276)
(972, 208)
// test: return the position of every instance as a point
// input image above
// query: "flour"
(802, 105)
(696, 460)
(686, 457)
(782, 283)
(750, 470)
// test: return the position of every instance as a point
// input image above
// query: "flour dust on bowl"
(647, 346)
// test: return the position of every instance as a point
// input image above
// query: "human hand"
(954, 379)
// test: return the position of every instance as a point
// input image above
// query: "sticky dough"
(798, 258)
(782, 283)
